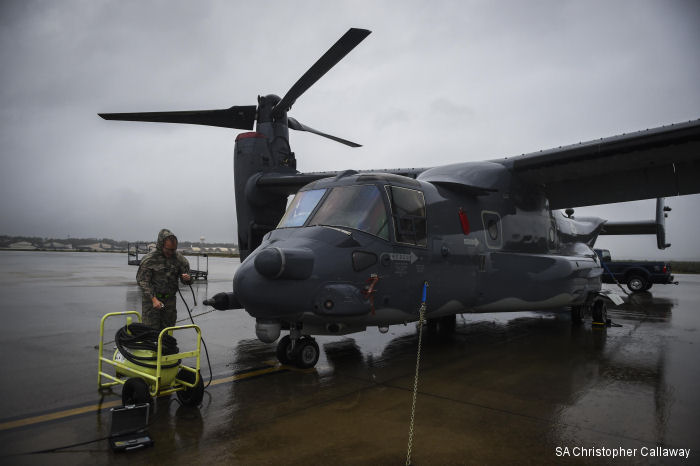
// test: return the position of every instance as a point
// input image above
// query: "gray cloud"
(435, 83)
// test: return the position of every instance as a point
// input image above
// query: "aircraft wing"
(658, 162)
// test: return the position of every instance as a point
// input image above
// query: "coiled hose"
(138, 336)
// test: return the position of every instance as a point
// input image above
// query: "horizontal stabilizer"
(629, 228)
(649, 227)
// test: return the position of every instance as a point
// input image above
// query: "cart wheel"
(135, 391)
(190, 396)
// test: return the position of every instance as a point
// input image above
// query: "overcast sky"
(436, 82)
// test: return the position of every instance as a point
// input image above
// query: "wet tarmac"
(522, 388)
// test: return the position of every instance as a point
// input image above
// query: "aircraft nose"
(287, 263)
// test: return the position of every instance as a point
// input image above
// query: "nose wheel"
(302, 352)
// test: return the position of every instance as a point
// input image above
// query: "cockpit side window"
(359, 207)
(301, 207)
(408, 211)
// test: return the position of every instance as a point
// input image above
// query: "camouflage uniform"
(157, 276)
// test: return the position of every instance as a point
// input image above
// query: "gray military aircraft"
(353, 249)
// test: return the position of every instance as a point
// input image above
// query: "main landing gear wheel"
(135, 391)
(600, 312)
(577, 315)
(443, 326)
(447, 325)
(304, 355)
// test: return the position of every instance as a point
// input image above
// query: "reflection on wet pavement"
(504, 388)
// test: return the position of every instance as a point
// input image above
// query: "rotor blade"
(238, 117)
(294, 124)
(329, 59)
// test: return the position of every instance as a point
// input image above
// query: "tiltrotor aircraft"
(354, 249)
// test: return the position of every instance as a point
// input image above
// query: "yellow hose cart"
(148, 363)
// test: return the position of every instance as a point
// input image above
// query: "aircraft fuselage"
(354, 251)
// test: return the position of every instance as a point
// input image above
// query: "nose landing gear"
(297, 350)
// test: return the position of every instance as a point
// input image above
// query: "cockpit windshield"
(360, 207)
(301, 207)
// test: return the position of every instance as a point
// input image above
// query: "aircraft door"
(409, 257)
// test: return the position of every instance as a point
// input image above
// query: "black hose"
(137, 336)
(612, 276)
(193, 297)
(206, 351)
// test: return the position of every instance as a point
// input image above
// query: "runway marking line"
(57, 415)
(247, 375)
(112, 404)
